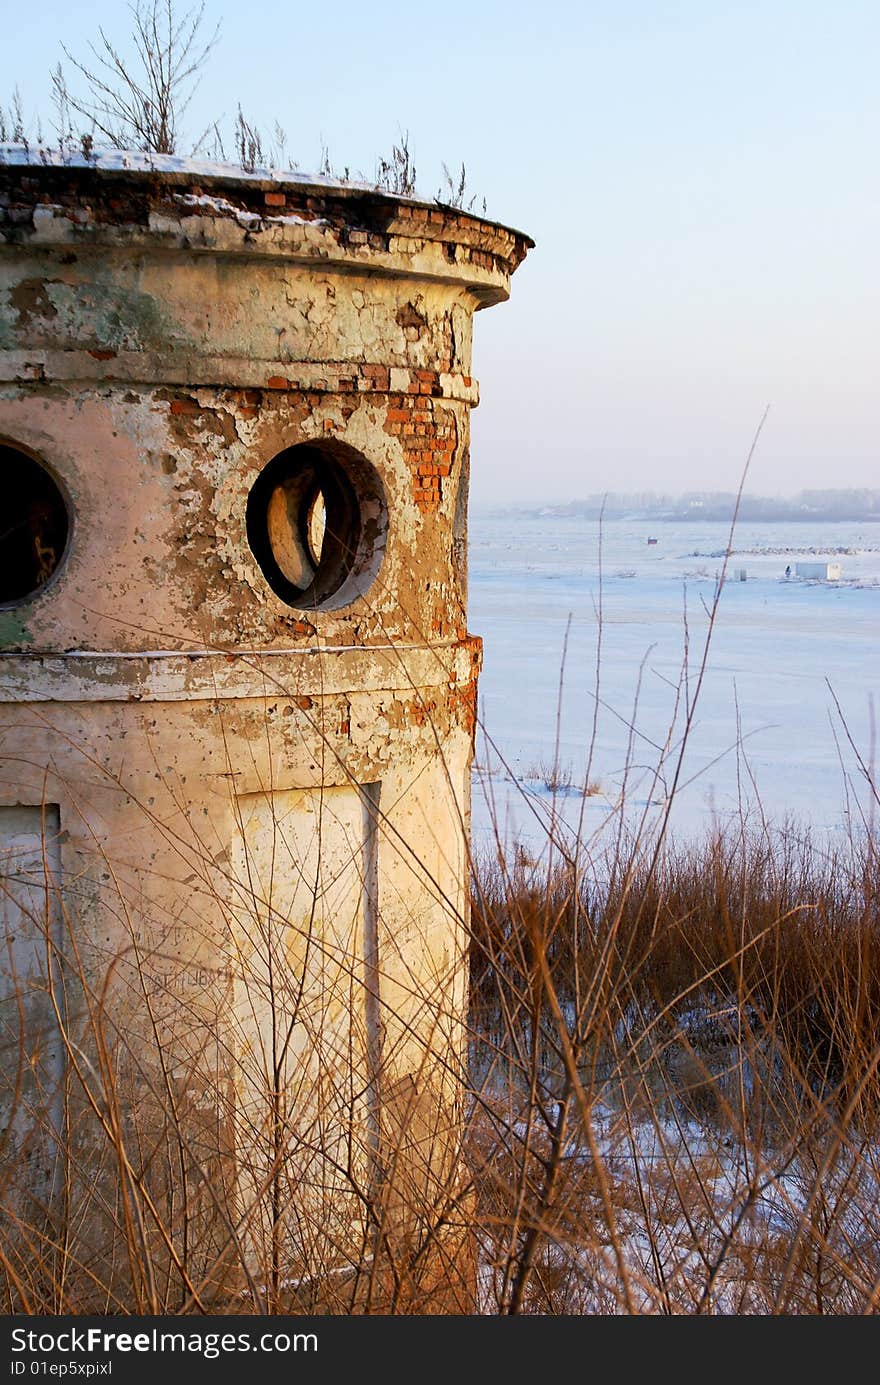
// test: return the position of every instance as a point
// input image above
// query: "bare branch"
(140, 105)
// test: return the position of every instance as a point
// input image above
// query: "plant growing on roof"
(140, 106)
(397, 173)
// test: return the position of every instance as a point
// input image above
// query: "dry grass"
(672, 1099)
(676, 1106)
(559, 776)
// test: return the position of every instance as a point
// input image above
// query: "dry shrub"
(672, 1102)
(676, 1058)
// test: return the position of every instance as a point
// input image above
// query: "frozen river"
(765, 733)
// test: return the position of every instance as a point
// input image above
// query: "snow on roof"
(219, 204)
(116, 160)
(130, 160)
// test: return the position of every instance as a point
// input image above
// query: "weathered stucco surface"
(258, 896)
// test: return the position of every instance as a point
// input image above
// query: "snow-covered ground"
(765, 729)
(708, 1226)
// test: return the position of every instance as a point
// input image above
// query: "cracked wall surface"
(222, 761)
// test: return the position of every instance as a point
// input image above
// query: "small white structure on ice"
(824, 572)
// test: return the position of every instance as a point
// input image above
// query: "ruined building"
(237, 706)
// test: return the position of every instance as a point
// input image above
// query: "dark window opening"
(34, 526)
(311, 523)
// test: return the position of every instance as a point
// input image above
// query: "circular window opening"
(316, 524)
(34, 527)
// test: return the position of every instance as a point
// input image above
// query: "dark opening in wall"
(316, 524)
(34, 526)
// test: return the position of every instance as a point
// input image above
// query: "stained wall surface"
(237, 706)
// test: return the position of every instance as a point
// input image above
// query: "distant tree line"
(854, 504)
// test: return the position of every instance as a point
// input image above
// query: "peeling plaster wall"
(160, 343)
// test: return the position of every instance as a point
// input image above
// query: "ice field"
(765, 735)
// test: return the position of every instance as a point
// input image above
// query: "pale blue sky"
(701, 180)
